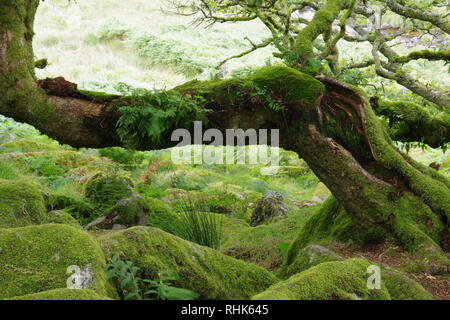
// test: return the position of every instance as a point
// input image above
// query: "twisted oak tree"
(332, 126)
(295, 36)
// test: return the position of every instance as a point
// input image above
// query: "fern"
(162, 289)
(131, 287)
(151, 114)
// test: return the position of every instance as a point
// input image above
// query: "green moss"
(63, 294)
(261, 245)
(36, 258)
(329, 221)
(409, 122)
(401, 287)
(276, 83)
(21, 204)
(337, 280)
(41, 63)
(293, 86)
(131, 211)
(306, 258)
(201, 269)
(321, 23)
(106, 189)
(25, 145)
(160, 215)
(61, 217)
(97, 96)
(79, 208)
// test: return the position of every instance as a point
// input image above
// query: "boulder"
(269, 207)
(336, 280)
(21, 204)
(62, 217)
(201, 269)
(38, 258)
(125, 213)
(63, 294)
(308, 257)
(106, 189)
(344, 280)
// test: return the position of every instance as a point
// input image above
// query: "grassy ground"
(135, 42)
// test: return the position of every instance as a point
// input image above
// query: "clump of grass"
(197, 224)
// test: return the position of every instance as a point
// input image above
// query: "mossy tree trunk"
(332, 127)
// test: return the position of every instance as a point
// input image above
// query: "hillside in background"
(136, 42)
(144, 44)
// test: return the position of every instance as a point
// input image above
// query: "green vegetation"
(36, 258)
(201, 269)
(197, 224)
(130, 287)
(113, 216)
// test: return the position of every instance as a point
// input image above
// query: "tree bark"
(330, 125)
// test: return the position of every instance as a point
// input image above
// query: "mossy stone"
(308, 257)
(106, 189)
(403, 288)
(36, 258)
(201, 269)
(336, 280)
(21, 204)
(160, 215)
(62, 217)
(63, 294)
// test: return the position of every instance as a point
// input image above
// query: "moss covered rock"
(62, 217)
(125, 213)
(79, 207)
(270, 207)
(308, 257)
(106, 189)
(63, 294)
(401, 287)
(36, 258)
(337, 280)
(329, 221)
(160, 215)
(21, 204)
(262, 245)
(201, 269)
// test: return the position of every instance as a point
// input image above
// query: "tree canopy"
(305, 34)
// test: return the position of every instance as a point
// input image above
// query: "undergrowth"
(197, 224)
(130, 286)
(152, 114)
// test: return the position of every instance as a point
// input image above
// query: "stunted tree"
(295, 31)
(376, 188)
